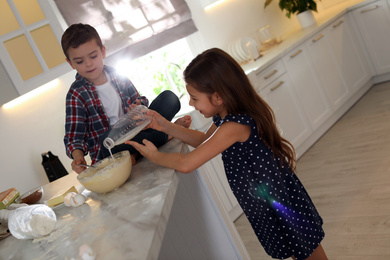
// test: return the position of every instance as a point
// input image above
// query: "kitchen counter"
(130, 222)
(297, 36)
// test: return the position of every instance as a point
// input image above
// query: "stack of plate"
(244, 50)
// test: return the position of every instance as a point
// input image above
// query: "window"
(131, 28)
(159, 70)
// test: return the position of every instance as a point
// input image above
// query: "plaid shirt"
(86, 120)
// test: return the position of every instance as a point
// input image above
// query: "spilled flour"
(55, 239)
(55, 234)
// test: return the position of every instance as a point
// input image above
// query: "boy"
(99, 97)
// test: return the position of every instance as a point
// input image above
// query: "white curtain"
(131, 28)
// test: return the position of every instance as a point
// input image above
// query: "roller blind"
(131, 28)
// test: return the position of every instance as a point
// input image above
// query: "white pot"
(306, 19)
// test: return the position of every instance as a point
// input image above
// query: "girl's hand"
(158, 122)
(147, 150)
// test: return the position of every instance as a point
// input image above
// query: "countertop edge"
(298, 36)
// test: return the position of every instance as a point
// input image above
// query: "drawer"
(266, 76)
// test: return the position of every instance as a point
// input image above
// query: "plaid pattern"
(86, 120)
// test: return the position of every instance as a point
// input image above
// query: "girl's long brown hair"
(216, 71)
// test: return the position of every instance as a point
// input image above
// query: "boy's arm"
(129, 92)
(74, 126)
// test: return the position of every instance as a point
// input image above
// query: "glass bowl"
(31, 197)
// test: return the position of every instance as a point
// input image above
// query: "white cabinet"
(348, 53)
(289, 115)
(305, 82)
(373, 21)
(325, 64)
(328, 69)
(214, 173)
(30, 49)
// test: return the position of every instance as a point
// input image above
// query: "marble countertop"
(128, 223)
(297, 36)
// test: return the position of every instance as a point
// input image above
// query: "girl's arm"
(225, 136)
(186, 135)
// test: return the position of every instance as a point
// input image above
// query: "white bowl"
(107, 175)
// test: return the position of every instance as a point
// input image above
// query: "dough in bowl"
(107, 175)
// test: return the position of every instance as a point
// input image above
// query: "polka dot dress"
(275, 202)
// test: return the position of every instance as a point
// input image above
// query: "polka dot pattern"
(274, 200)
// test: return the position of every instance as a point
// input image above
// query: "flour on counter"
(55, 234)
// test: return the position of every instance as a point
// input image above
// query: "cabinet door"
(289, 115)
(373, 21)
(348, 53)
(307, 87)
(325, 65)
(215, 172)
(30, 49)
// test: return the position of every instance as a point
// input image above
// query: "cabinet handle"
(319, 37)
(338, 24)
(369, 9)
(295, 54)
(271, 74)
(278, 85)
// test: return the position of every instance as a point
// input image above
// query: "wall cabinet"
(29, 46)
(373, 21)
(308, 89)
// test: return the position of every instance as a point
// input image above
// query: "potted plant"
(302, 8)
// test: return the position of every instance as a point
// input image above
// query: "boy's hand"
(137, 102)
(78, 158)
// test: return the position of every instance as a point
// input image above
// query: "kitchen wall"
(37, 125)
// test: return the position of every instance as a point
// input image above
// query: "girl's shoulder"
(238, 118)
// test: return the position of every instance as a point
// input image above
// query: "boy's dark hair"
(78, 34)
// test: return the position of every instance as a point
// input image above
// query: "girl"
(259, 163)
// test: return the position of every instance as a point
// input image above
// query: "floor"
(347, 174)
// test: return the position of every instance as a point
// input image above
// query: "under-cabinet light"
(29, 95)
(208, 4)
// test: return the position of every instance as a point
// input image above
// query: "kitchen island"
(157, 214)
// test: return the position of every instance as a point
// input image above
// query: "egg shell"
(77, 200)
(68, 198)
(86, 252)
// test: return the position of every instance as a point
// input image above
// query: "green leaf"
(267, 2)
(295, 6)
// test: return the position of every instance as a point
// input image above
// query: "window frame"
(53, 19)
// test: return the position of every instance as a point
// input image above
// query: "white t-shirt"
(111, 101)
